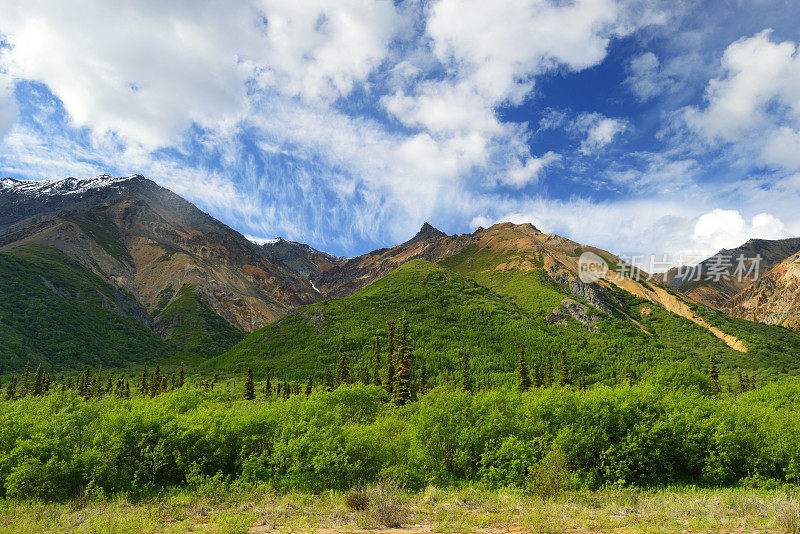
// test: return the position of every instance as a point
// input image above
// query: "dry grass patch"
(788, 513)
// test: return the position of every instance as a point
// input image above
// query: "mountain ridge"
(150, 243)
(195, 276)
(716, 292)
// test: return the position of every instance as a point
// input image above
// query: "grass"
(256, 509)
(448, 312)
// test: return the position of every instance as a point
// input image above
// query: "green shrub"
(549, 477)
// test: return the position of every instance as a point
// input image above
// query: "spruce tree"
(155, 382)
(98, 383)
(548, 371)
(180, 377)
(268, 384)
(144, 386)
(388, 381)
(523, 374)
(537, 377)
(376, 361)
(342, 365)
(309, 386)
(285, 390)
(402, 351)
(37, 382)
(466, 381)
(402, 380)
(713, 373)
(328, 380)
(628, 378)
(11, 389)
(24, 384)
(278, 391)
(86, 384)
(401, 343)
(249, 392)
(740, 388)
(563, 371)
(422, 381)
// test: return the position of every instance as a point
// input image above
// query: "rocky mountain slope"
(299, 258)
(58, 314)
(774, 298)
(428, 244)
(199, 284)
(149, 243)
(501, 257)
(703, 285)
(494, 290)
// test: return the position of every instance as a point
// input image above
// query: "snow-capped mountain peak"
(65, 186)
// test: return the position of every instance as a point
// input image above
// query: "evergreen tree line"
(390, 369)
(90, 384)
(393, 372)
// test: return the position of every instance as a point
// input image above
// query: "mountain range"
(119, 271)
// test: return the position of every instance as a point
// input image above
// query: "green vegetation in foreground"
(59, 314)
(198, 332)
(220, 508)
(659, 432)
(449, 313)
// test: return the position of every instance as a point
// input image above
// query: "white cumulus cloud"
(753, 103)
(147, 74)
(721, 228)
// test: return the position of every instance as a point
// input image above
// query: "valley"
(148, 348)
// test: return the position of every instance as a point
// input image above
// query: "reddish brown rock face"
(774, 299)
(150, 242)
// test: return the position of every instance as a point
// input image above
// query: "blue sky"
(643, 127)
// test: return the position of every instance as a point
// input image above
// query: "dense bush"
(52, 447)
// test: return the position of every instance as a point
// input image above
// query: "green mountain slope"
(450, 312)
(531, 289)
(194, 328)
(56, 313)
(770, 349)
(60, 314)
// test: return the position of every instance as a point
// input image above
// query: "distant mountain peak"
(64, 186)
(427, 231)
